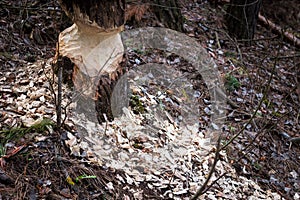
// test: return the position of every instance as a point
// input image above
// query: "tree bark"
(242, 18)
(106, 14)
(168, 13)
(94, 45)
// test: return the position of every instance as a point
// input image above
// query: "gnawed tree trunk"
(242, 18)
(93, 43)
(168, 13)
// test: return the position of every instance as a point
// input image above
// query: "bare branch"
(202, 189)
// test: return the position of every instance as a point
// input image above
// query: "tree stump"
(93, 44)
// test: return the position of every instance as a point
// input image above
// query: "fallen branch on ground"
(277, 29)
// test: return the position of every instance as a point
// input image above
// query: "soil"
(264, 152)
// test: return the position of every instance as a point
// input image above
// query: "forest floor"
(37, 163)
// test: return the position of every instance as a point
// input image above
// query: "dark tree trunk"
(97, 67)
(107, 14)
(242, 18)
(168, 13)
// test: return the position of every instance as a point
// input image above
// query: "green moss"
(136, 105)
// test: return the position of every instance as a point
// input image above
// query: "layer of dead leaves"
(40, 165)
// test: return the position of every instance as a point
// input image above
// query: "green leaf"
(78, 178)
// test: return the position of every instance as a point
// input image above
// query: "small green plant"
(78, 178)
(268, 103)
(257, 166)
(18, 132)
(231, 83)
(223, 142)
(276, 114)
(2, 150)
(230, 54)
(231, 128)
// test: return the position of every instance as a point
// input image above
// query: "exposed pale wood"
(93, 43)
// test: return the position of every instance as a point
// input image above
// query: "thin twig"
(286, 57)
(51, 83)
(217, 39)
(59, 95)
(214, 182)
(65, 112)
(202, 189)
